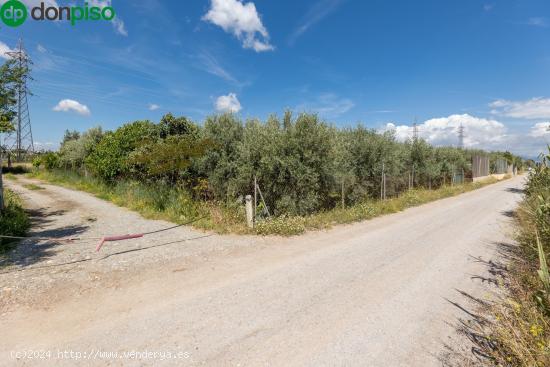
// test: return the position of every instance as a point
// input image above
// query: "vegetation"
(176, 205)
(159, 201)
(11, 77)
(33, 187)
(13, 220)
(311, 174)
(515, 331)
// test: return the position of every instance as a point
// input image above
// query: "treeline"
(301, 163)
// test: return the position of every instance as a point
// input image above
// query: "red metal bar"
(117, 238)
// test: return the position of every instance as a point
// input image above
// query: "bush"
(13, 220)
(50, 160)
(303, 165)
(15, 170)
(76, 147)
(109, 159)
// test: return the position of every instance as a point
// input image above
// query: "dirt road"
(378, 293)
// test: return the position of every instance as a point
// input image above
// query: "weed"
(33, 187)
(516, 330)
(13, 220)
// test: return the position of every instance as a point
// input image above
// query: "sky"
(383, 64)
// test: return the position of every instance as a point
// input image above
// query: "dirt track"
(377, 293)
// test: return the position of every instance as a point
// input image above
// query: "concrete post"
(249, 211)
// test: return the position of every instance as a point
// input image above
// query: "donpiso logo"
(14, 13)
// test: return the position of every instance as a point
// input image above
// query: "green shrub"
(15, 170)
(109, 159)
(76, 147)
(50, 160)
(13, 220)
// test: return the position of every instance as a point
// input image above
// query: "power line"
(20, 141)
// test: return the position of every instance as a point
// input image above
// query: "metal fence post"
(343, 197)
(255, 197)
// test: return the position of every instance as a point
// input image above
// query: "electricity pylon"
(461, 136)
(20, 141)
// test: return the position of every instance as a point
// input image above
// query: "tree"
(167, 158)
(70, 136)
(170, 125)
(73, 152)
(109, 159)
(10, 79)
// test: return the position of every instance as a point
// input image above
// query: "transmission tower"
(461, 136)
(415, 130)
(20, 141)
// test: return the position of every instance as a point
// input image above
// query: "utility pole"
(21, 140)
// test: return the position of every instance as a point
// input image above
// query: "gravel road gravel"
(378, 293)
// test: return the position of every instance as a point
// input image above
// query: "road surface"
(376, 293)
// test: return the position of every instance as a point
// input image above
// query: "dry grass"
(514, 328)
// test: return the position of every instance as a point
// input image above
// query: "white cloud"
(242, 20)
(3, 49)
(118, 24)
(41, 48)
(328, 105)
(228, 103)
(535, 108)
(479, 132)
(538, 22)
(67, 105)
(38, 144)
(540, 129)
(153, 107)
(120, 28)
(314, 15)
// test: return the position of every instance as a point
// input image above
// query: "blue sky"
(482, 64)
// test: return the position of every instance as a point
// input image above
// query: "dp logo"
(13, 13)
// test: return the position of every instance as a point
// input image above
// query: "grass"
(13, 220)
(516, 327)
(33, 187)
(176, 205)
(367, 210)
(513, 328)
(10, 176)
(153, 202)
